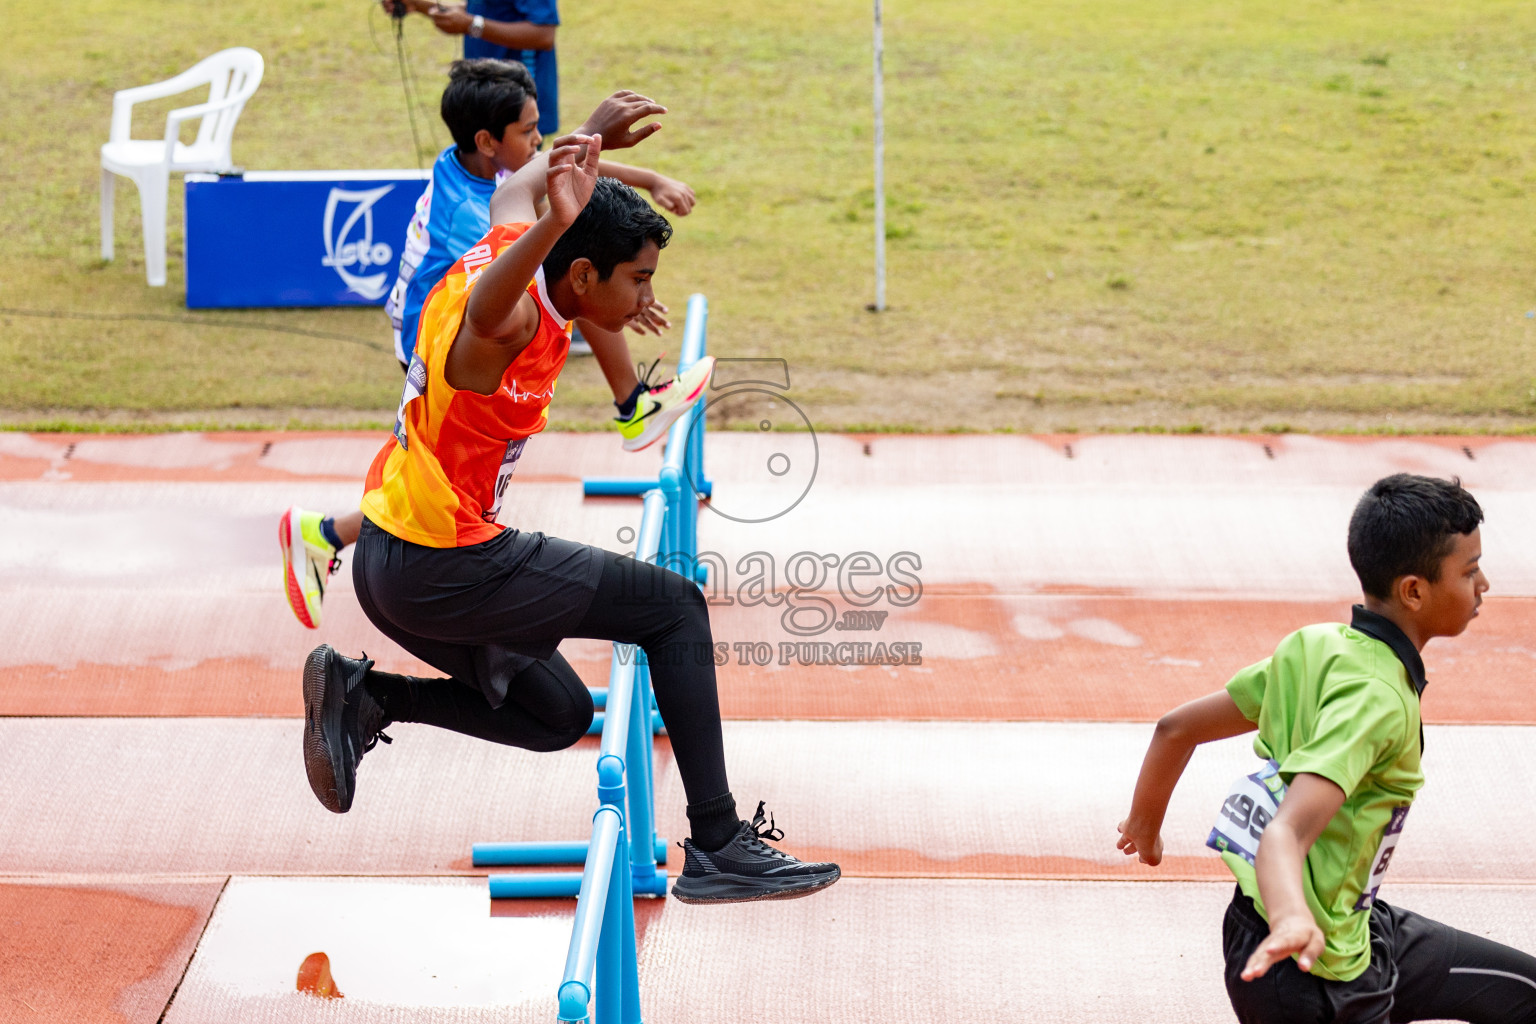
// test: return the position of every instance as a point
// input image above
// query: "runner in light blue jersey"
(451, 215)
(491, 108)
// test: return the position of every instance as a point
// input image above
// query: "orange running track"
(1071, 589)
(1108, 586)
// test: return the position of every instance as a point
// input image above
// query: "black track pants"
(490, 616)
(1420, 970)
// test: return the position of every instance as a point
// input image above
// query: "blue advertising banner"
(297, 238)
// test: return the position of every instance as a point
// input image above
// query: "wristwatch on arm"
(477, 26)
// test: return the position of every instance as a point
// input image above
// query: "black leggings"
(1420, 970)
(548, 707)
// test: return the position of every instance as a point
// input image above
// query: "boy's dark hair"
(484, 93)
(611, 230)
(1405, 525)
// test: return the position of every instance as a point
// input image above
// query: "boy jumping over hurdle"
(491, 108)
(488, 604)
(1310, 835)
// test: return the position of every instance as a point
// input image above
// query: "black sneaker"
(748, 869)
(342, 722)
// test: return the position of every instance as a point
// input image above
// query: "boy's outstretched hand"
(1287, 935)
(616, 116)
(673, 196)
(1143, 842)
(572, 176)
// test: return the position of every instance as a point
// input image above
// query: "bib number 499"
(1247, 811)
(1243, 814)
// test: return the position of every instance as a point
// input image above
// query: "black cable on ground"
(251, 325)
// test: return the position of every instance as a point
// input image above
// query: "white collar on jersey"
(546, 301)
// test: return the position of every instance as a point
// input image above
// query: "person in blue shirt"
(520, 30)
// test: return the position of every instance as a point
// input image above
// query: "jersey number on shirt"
(1248, 809)
(1383, 859)
(415, 387)
(504, 476)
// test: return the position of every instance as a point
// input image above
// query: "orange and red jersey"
(439, 481)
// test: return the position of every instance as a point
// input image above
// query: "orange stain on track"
(315, 977)
(71, 953)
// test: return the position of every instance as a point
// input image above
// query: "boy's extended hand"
(616, 116)
(673, 196)
(572, 176)
(1147, 843)
(1288, 935)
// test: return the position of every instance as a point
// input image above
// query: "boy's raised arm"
(516, 199)
(501, 317)
(668, 193)
(1213, 717)
(615, 117)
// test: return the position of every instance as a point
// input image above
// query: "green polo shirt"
(1339, 703)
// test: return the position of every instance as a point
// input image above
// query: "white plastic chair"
(231, 76)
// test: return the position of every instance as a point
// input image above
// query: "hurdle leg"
(629, 962)
(608, 983)
(647, 774)
(641, 822)
(672, 525)
(687, 505)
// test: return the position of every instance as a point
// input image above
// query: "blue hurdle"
(624, 856)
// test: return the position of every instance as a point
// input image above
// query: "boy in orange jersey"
(491, 108)
(488, 604)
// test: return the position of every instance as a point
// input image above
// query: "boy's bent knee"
(692, 598)
(565, 730)
(693, 609)
(561, 740)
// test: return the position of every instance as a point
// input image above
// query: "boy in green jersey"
(1310, 836)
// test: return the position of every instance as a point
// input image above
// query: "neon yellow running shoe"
(308, 561)
(659, 406)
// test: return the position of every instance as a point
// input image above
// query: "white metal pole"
(879, 164)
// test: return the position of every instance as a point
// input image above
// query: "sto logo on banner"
(344, 251)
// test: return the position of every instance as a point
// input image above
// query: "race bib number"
(415, 387)
(1383, 857)
(504, 476)
(1248, 809)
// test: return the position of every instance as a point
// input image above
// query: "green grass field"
(1198, 215)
